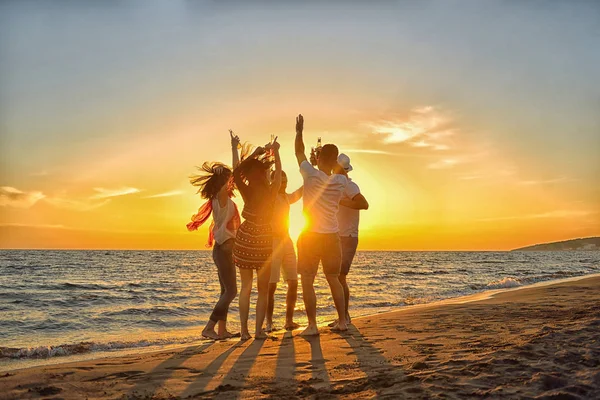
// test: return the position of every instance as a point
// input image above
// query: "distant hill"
(585, 244)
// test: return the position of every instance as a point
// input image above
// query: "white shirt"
(348, 218)
(221, 217)
(322, 194)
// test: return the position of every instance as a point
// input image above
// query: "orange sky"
(454, 148)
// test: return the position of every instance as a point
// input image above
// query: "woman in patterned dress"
(253, 243)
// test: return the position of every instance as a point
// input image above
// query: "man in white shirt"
(320, 241)
(348, 218)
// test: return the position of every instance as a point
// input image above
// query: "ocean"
(60, 306)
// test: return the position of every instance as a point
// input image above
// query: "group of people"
(261, 243)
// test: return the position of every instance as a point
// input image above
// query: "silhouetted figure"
(348, 219)
(284, 255)
(254, 240)
(216, 185)
(320, 241)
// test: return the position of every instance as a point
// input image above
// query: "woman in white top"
(216, 186)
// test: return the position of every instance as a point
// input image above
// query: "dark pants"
(223, 257)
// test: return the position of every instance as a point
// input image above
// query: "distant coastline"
(582, 244)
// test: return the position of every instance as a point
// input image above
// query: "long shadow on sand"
(317, 361)
(236, 376)
(381, 374)
(208, 373)
(286, 357)
(163, 371)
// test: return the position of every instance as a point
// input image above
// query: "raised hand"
(235, 139)
(299, 124)
(313, 157)
(275, 145)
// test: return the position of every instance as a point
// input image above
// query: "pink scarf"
(204, 213)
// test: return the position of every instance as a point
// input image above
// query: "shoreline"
(94, 355)
(540, 341)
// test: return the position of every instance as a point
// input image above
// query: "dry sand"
(538, 342)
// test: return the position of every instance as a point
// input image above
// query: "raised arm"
(276, 184)
(358, 202)
(299, 142)
(295, 195)
(235, 141)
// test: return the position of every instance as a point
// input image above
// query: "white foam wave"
(86, 347)
(504, 283)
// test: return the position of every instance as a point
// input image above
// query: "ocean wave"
(87, 347)
(504, 283)
(158, 310)
(85, 286)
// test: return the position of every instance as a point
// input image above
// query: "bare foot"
(245, 336)
(210, 334)
(339, 327)
(290, 326)
(261, 335)
(228, 335)
(269, 327)
(310, 331)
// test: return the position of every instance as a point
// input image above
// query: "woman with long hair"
(253, 242)
(215, 184)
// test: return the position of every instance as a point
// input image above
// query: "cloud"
(107, 193)
(165, 194)
(561, 179)
(77, 205)
(424, 127)
(444, 163)
(40, 173)
(41, 226)
(487, 174)
(13, 197)
(549, 214)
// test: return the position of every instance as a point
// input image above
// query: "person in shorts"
(284, 256)
(320, 241)
(348, 218)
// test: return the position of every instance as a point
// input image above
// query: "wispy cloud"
(75, 204)
(424, 127)
(40, 226)
(561, 179)
(39, 173)
(165, 194)
(12, 197)
(487, 174)
(103, 193)
(549, 214)
(444, 163)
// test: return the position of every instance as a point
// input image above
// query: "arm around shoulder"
(358, 202)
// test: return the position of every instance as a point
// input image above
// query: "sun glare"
(297, 222)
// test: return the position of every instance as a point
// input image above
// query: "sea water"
(57, 305)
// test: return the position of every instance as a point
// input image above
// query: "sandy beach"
(535, 342)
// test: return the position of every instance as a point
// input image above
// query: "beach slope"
(536, 342)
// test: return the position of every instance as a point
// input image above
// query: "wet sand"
(537, 342)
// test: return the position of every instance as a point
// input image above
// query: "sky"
(470, 125)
